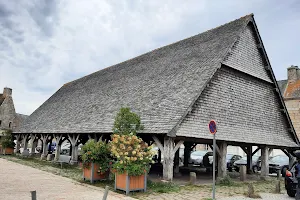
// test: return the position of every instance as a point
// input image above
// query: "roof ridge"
(156, 49)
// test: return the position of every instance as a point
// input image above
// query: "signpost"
(213, 130)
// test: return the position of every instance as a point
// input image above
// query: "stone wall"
(293, 107)
(7, 113)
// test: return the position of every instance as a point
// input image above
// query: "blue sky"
(46, 43)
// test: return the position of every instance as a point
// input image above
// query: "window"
(9, 125)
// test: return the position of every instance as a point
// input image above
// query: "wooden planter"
(8, 151)
(91, 173)
(130, 183)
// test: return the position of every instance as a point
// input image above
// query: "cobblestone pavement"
(16, 182)
(266, 196)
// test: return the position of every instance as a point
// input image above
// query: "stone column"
(264, 161)
(222, 163)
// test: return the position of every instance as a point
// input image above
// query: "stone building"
(290, 90)
(222, 74)
(9, 119)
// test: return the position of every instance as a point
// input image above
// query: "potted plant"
(7, 143)
(132, 155)
(96, 160)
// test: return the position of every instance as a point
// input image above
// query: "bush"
(7, 140)
(96, 152)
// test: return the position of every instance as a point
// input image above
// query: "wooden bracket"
(256, 150)
(245, 149)
(217, 149)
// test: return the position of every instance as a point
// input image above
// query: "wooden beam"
(158, 143)
(244, 149)
(177, 146)
(256, 150)
(217, 149)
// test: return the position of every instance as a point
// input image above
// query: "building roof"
(282, 85)
(1, 99)
(159, 86)
(291, 90)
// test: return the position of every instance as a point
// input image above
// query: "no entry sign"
(212, 127)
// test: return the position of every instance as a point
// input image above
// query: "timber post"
(58, 139)
(264, 161)
(44, 139)
(33, 144)
(18, 137)
(168, 150)
(222, 163)
(73, 140)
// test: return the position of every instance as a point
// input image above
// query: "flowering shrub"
(132, 154)
(96, 152)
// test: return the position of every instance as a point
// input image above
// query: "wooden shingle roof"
(160, 86)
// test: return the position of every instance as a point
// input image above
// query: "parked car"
(230, 159)
(280, 162)
(290, 181)
(197, 157)
(243, 161)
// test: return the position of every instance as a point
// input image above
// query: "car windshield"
(279, 159)
(199, 153)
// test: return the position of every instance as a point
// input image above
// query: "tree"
(127, 122)
(7, 140)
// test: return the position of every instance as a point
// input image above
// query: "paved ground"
(264, 196)
(16, 182)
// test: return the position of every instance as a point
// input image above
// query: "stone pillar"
(264, 161)
(187, 153)
(222, 163)
(249, 159)
(176, 162)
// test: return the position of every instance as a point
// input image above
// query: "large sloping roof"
(160, 86)
(282, 85)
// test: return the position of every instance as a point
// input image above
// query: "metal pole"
(214, 168)
(33, 195)
(105, 193)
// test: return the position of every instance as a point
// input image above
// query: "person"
(297, 171)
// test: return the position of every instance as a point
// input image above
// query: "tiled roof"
(282, 85)
(159, 86)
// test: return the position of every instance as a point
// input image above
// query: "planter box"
(130, 183)
(91, 173)
(8, 151)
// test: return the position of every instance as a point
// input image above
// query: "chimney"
(293, 74)
(7, 92)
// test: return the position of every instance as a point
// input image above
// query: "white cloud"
(44, 43)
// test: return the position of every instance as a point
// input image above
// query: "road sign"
(212, 127)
